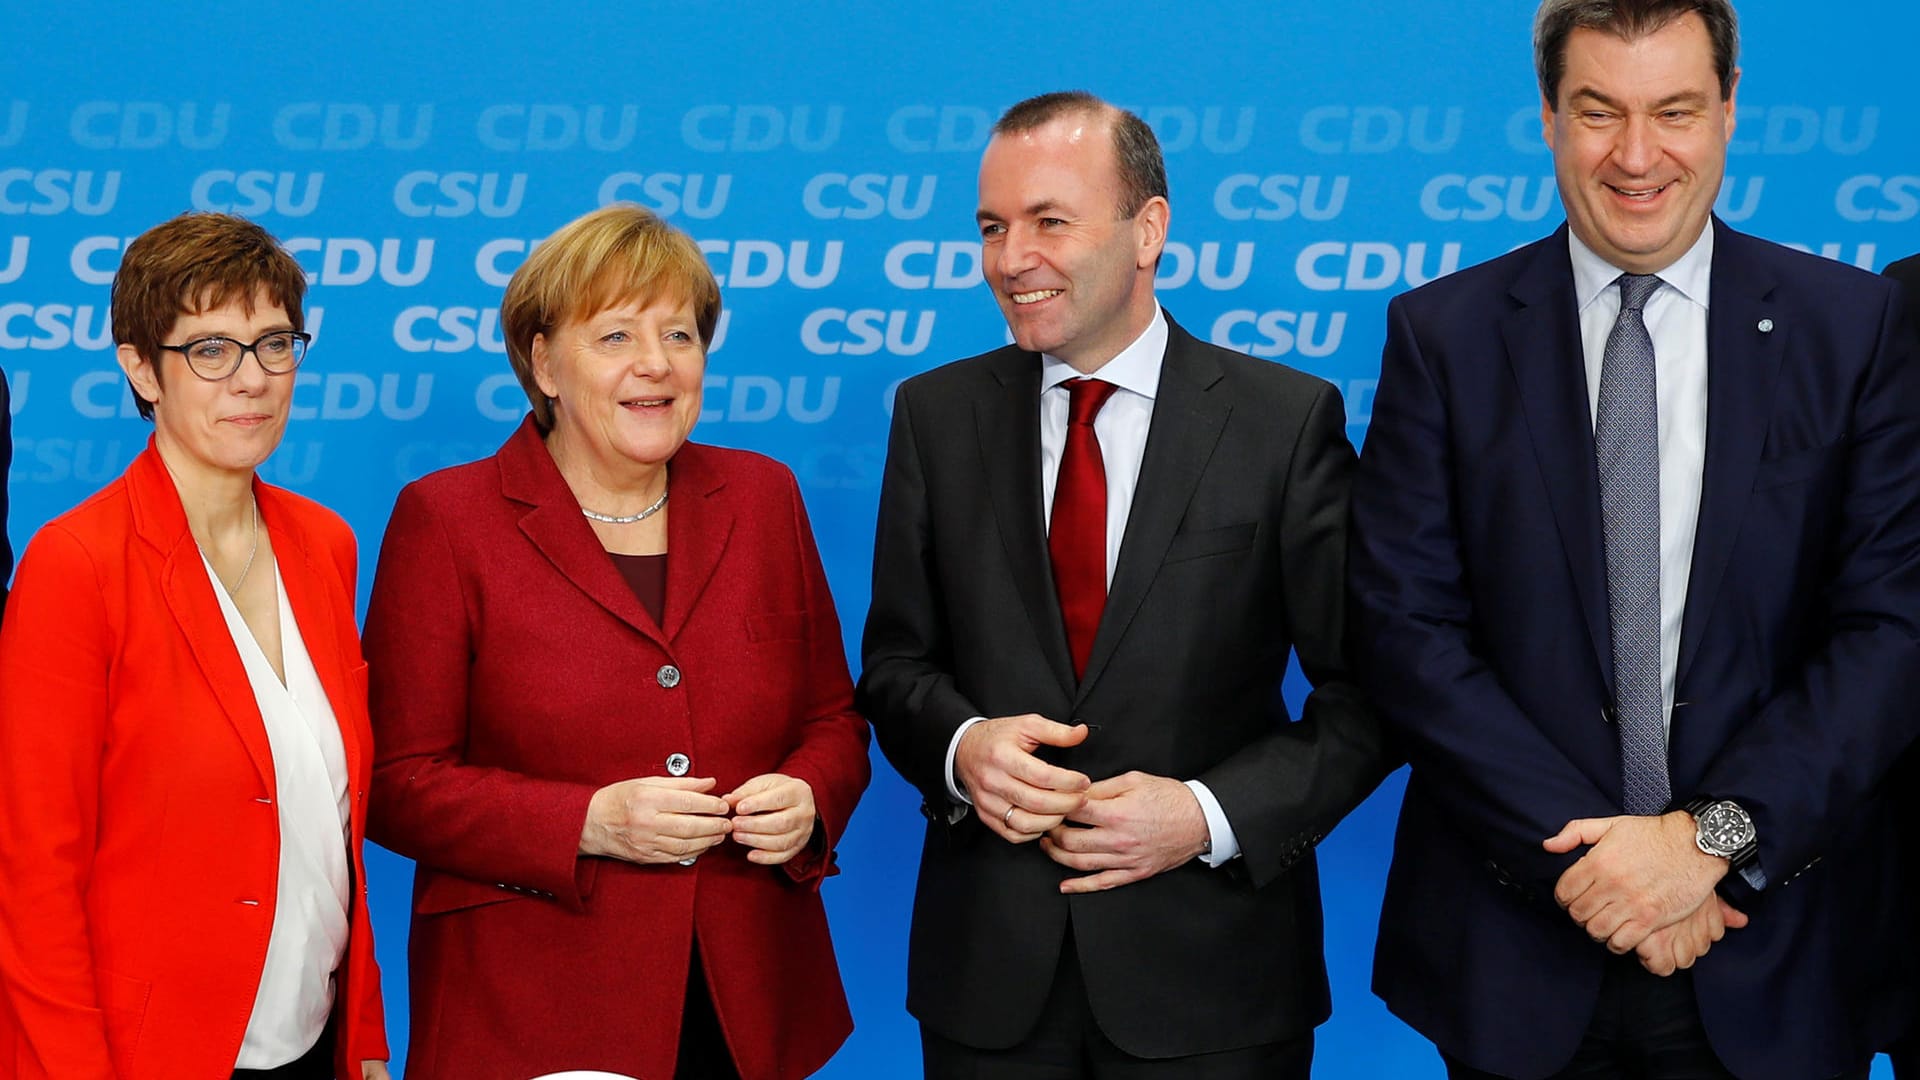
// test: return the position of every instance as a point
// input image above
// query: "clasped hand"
(670, 819)
(1120, 830)
(1645, 887)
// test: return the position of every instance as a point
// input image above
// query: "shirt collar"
(1136, 368)
(1691, 274)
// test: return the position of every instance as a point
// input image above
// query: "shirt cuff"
(1223, 846)
(960, 799)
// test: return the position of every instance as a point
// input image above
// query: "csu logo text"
(55, 191)
(457, 194)
(868, 195)
(1246, 197)
(256, 192)
(1879, 198)
(668, 194)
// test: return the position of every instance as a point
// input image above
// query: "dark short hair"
(600, 260)
(1136, 153)
(1628, 20)
(194, 263)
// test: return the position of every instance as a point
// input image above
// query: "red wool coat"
(514, 674)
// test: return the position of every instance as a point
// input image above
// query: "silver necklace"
(251, 552)
(610, 519)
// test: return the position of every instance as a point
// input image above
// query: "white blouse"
(310, 777)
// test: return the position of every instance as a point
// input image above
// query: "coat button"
(668, 676)
(678, 764)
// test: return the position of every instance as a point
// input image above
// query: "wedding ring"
(1006, 819)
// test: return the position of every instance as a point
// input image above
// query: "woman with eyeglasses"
(184, 744)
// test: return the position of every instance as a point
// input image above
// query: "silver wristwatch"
(1721, 827)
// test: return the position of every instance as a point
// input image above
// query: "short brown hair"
(1136, 153)
(1628, 20)
(595, 262)
(193, 263)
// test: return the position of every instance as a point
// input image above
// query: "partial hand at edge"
(996, 766)
(373, 1070)
(1132, 827)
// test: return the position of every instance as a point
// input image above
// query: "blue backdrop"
(1322, 157)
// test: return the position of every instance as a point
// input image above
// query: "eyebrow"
(1685, 97)
(1044, 206)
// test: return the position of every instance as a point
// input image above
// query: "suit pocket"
(123, 999)
(1221, 541)
(776, 626)
(447, 892)
(1798, 466)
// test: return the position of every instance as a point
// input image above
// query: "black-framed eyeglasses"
(216, 358)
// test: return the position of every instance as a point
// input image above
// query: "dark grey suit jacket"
(1234, 557)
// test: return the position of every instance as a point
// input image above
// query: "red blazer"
(514, 674)
(139, 844)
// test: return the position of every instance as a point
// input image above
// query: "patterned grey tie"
(1626, 438)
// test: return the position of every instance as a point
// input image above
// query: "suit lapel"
(1186, 426)
(698, 528)
(552, 523)
(160, 520)
(1743, 363)
(1008, 422)
(1544, 350)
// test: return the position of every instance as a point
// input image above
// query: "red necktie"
(1077, 535)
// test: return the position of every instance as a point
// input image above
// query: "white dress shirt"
(1121, 426)
(309, 934)
(1676, 317)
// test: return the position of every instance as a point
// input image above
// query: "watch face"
(1725, 828)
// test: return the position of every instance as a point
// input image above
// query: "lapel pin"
(1766, 326)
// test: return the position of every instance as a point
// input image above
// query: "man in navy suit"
(1636, 575)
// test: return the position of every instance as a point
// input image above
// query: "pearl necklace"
(610, 519)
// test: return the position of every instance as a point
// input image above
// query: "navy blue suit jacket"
(1479, 588)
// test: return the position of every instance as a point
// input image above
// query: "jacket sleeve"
(489, 825)
(1506, 786)
(906, 686)
(1817, 751)
(56, 654)
(1285, 792)
(832, 752)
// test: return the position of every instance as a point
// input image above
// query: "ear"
(1150, 231)
(1546, 120)
(141, 372)
(543, 366)
(1733, 110)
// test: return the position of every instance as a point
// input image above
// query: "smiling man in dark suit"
(1096, 549)
(1636, 572)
